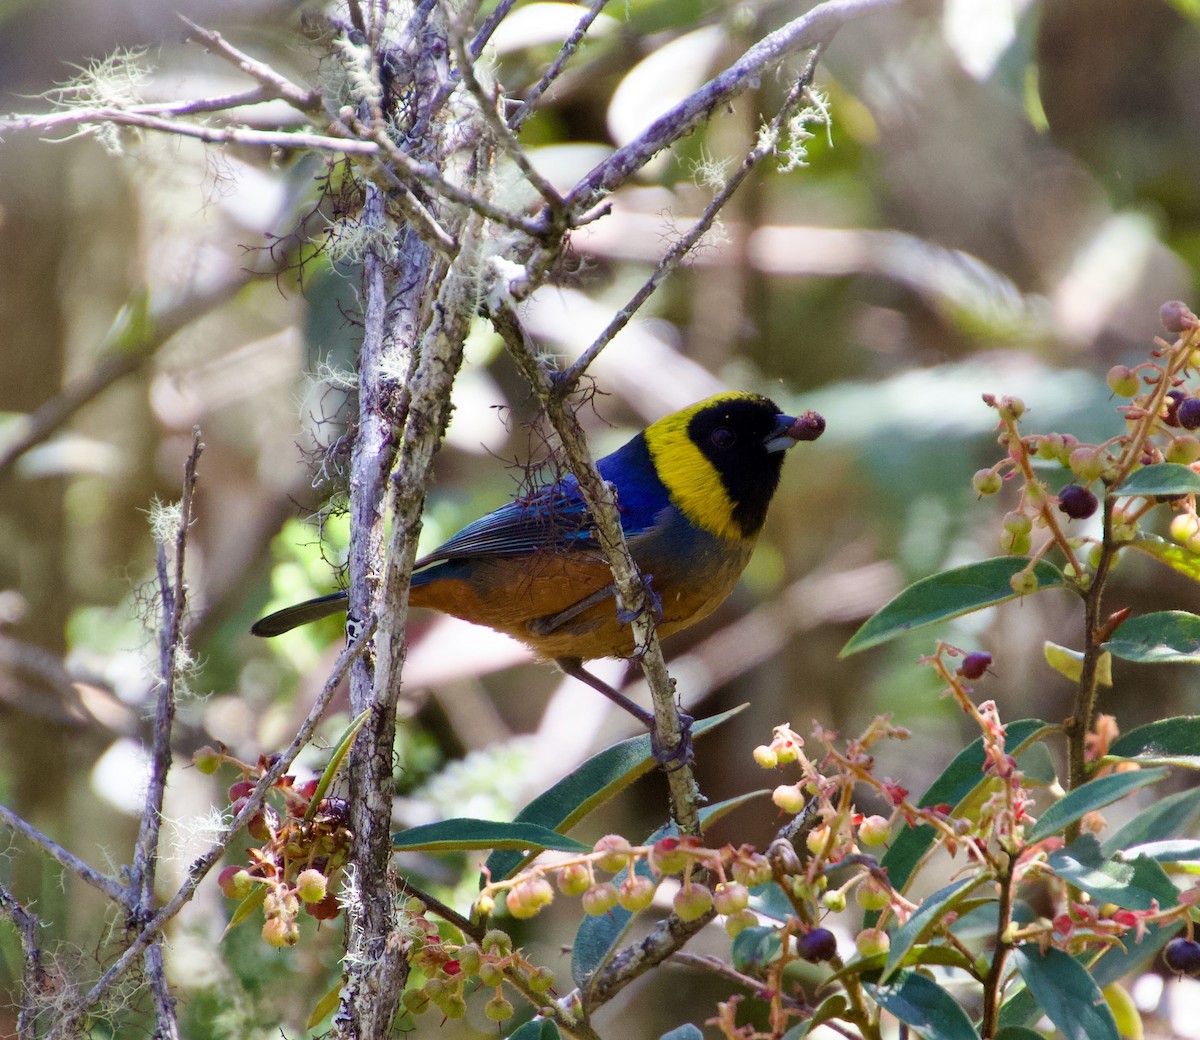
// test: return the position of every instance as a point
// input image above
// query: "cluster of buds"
(711, 880)
(1160, 413)
(303, 843)
(446, 970)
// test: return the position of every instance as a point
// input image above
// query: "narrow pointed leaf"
(1177, 736)
(1175, 556)
(246, 907)
(1162, 478)
(599, 779)
(1176, 814)
(949, 594)
(335, 762)
(1091, 796)
(1066, 993)
(1136, 883)
(1164, 637)
(1181, 850)
(924, 1006)
(463, 834)
(917, 927)
(325, 1006)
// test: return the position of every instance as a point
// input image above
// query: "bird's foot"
(682, 754)
(654, 603)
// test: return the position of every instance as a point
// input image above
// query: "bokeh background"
(1007, 194)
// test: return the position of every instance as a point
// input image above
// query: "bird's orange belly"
(525, 596)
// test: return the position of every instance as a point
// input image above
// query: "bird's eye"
(723, 438)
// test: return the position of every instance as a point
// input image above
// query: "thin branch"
(632, 594)
(815, 26)
(505, 138)
(679, 250)
(33, 975)
(70, 1017)
(569, 47)
(293, 94)
(113, 889)
(490, 26)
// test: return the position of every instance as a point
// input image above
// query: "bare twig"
(490, 26)
(70, 1017)
(632, 594)
(305, 100)
(568, 49)
(817, 25)
(33, 975)
(88, 874)
(679, 250)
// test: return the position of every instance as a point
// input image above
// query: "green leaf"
(325, 1006)
(1164, 637)
(246, 907)
(1167, 817)
(1066, 993)
(1174, 556)
(1162, 478)
(1177, 736)
(755, 947)
(536, 1029)
(597, 937)
(1135, 884)
(1018, 1033)
(957, 782)
(599, 779)
(335, 762)
(924, 1006)
(932, 909)
(464, 834)
(834, 1006)
(1091, 796)
(1180, 850)
(949, 594)
(687, 1031)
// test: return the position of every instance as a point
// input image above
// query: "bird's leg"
(678, 757)
(543, 626)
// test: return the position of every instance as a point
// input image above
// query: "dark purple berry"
(807, 427)
(1077, 502)
(817, 945)
(1182, 956)
(974, 665)
(1176, 316)
(1174, 399)
(1188, 413)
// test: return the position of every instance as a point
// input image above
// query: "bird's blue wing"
(553, 518)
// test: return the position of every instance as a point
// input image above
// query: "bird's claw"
(682, 754)
(627, 615)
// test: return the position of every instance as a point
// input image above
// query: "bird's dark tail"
(299, 614)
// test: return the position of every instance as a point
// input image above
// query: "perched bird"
(692, 492)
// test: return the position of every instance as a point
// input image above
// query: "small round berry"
(986, 482)
(751, 870)
(1172, 402)
(541, 980)
(1087, 462)
(739, 922)
(528, 897)
(497, 942)
(1015, 544)
(235, 882)
(280, 932)
(636, 893)
(1122, 381)
(975, 664)
(1182, 956)
(207, 759)
(1018, 523)
(1188, 413)
(600, 899)
(415, 1002)
(1183, 450)
(1011, 408)
(1176, 316)
(667, 856)
(817, 839)
(574, 879)
(485, 905)
(1024, 583)
(692, 902)
(788, 797)
(874, 830)
(614, 853)
(498, 1009)
(311, 885)
(1184, 527)
(834, 900)
(817, 945)
(872, 941)
(871, 895)
(765, 757)
(1078, 502)
(470, 958)
(490, 974)
(730, 897)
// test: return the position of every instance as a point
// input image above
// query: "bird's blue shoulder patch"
(641, 494)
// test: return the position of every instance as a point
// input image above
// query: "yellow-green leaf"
(1069, 662)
